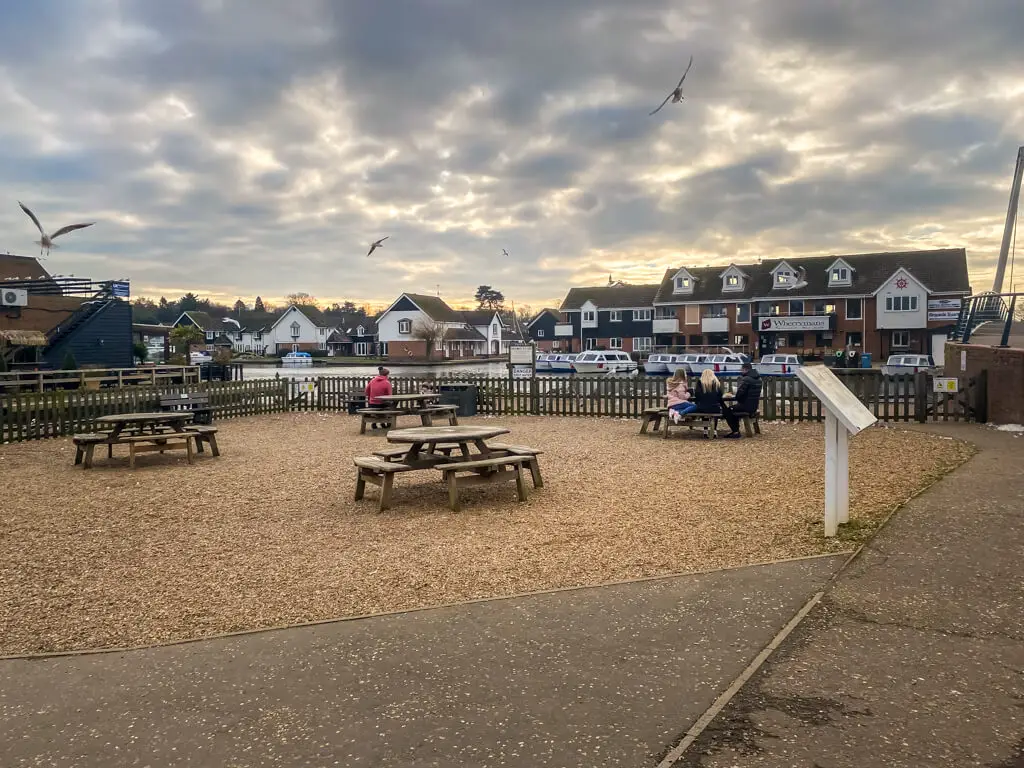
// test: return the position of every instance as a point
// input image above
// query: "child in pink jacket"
(678, 395)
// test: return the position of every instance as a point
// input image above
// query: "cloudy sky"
(244, 147)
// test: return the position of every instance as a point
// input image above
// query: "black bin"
(461, 395)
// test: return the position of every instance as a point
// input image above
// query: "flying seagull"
(46, 241)
(504, 252)
(801, 280)
(378, 244)
(677, 94)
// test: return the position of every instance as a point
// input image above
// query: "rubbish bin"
(461, 395)
(865, 359)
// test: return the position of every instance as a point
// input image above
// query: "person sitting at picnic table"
(748, 396)
(678, 395)
(707, 395)
(378, 387)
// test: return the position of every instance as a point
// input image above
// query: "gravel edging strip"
(694, 732)
(358, 617)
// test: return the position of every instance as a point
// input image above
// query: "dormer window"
(683, 283)
(783, 276)
(359, 331)
(405, 326)
(733, 279)
(296, 328)
(840, 273)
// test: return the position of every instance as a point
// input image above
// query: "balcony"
(563, 329)
(666, 325)
(715, 324)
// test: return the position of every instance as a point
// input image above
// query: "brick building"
(882, 303)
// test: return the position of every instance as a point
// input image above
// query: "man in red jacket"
(377, 387)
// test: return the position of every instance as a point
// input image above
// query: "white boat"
(901, 365)
(297, 360)
(198, 358)
(604, 362)
(724, 366)
(778, 365)
(561, 363)
(686, 362)
(658, 364)
(543, 364)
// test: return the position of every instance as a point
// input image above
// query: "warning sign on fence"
(945, 385)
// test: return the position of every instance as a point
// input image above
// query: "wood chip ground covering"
(269, 534)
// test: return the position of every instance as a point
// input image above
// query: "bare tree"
(431, 332)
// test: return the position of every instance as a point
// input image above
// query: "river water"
(441, 371)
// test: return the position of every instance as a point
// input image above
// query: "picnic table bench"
(435, 448)
(658, 418)
(197, 403)
(144, 433)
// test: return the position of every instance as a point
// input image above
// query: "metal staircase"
(79, 317)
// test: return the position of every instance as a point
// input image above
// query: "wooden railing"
(33, 415)
(94, 378)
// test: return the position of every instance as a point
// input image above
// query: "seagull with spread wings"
(377, 244)
(45, 242)
(677, 94)
(504, 252)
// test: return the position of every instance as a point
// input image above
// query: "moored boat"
(561, 363)
(604, 362)
(778, 365)
(656, 365)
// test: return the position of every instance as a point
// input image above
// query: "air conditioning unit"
(13, 297)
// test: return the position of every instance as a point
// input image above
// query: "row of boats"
(694, 364)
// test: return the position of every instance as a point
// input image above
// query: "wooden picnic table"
(431, 448)
(141, 432)
(431, 437)
(410, 402)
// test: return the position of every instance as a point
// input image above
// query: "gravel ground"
(268, 533)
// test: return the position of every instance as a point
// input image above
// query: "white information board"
(845, 415)
(520, 354)
(836, 397)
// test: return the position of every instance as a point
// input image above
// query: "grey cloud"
(397, 82)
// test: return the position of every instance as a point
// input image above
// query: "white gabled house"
(298, 329)
(401, 327)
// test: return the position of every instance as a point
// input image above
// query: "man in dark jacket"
(748, 397)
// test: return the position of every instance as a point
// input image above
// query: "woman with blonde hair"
(707, 396)
(678, 395)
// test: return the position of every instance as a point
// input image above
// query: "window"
(715, 310)
(824, 308)
(839, 276)
(853, 309)
(901, 303)
(739, 340)
(589, 316)
(854, 338)
(640, 315)
(405, 326)
(732, 283)
(683, 284)
(295, 329)
(776, 309)
(540, 333)
(742, 313)
(210, 335)
(642, 344)
(796, 340)
(665, 313)
(615, 343)
(321, 331)
(588, 344)
(764, 308)
(782, 277)
(823, 339)
(796, 307)
(900, 339)
(360, 331)
(258, 336)
(494, 329)
(615, 316)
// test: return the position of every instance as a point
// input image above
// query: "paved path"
(916, 656)
(605, 676)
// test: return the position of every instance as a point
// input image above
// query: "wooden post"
(842, 473)
(831, 474)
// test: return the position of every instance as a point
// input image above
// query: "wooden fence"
(58, 413)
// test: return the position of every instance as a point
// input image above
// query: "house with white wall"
(300, 328)
(400, 330)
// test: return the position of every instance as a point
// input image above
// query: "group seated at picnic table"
(707, 403)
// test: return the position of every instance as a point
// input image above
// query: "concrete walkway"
(916, 655)
(606, 676)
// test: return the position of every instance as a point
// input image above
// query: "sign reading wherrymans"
(793, 323)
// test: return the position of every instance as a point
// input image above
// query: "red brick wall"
(402, 350)
(1005, 378)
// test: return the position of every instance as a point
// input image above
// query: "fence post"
(921, 397)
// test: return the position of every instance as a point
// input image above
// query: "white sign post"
(845, 415)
